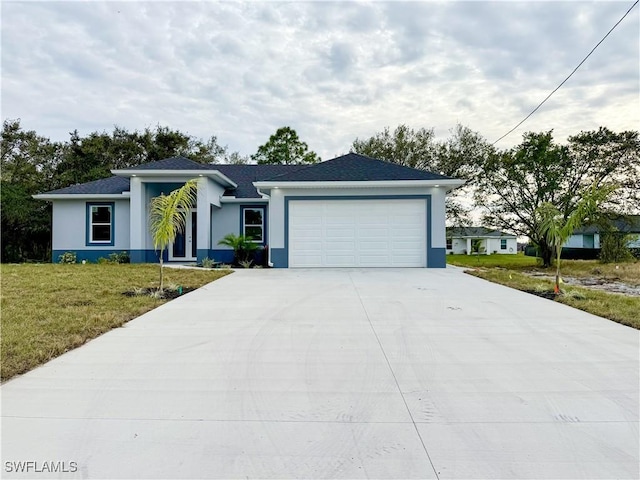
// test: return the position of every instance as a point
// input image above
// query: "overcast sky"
(333, 71)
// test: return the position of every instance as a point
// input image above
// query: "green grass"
(49, 309)
(507, 270)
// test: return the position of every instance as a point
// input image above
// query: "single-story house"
(588, 237)
(461, 239)
(351, 211)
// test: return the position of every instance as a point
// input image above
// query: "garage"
(357, 233)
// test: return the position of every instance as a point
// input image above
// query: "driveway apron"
(341, 373)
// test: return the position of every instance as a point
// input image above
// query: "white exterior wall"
(461, 246)
(70, 225)
(209, 193)
(276, 207)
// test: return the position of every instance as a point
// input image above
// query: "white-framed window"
(449, 243)
(253, 223)
(100, 223)
(503, 244)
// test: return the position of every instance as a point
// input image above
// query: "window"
(253, 224)
(503, 244)
(100, 223)
(449, 243)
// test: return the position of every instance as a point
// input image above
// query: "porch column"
(468, 246)
(137, 221)
(203, 234)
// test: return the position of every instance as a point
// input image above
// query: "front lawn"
(49, 309)
(511, 270)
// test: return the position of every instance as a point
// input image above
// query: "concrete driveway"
(291, 374)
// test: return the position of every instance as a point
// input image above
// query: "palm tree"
(243, 247)
(556, 228)
(168, 217)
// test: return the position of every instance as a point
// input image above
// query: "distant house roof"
(476, 232)
(354, 167)
(627, 224)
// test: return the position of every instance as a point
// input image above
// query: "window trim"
(503, 244)
(89, 241)
(243, 225)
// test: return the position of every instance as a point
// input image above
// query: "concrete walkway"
(294, 374)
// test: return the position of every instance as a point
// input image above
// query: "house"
(588, 237)
(351, 211)
(460, 240)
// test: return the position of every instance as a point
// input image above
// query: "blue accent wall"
(436, 257)
(88, 255)
(280, 257)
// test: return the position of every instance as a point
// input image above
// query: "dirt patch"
(594, 283)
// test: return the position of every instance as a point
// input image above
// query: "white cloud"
(334, 71)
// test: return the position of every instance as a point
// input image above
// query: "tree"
(285, 148)
(404, 146)
(511, 185)
(168, 217)
(555, 226)
(27, 165)
(459, 156)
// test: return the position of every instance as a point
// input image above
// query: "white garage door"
(357, 233)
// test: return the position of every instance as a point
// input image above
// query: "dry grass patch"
(619, 308)
(50, 309)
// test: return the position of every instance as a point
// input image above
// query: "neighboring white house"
(351, 211)
(460, 240)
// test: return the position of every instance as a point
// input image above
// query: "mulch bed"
(545, 294)
(166, 294)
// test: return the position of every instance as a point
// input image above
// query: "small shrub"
(245, 263)
(103, 260)
(122, 257)
(208, 262)
(68, 257)
(613, 247)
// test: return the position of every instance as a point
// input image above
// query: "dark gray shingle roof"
(104, 186)
(350, 167)
(173, 163)
(627, 224)
(245, 175)
(475, 232)
(354, 167)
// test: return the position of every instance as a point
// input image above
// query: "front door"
(184, 247)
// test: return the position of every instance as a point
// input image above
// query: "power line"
(570, 75)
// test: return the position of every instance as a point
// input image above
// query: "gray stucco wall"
(224, 220)
(70, 229)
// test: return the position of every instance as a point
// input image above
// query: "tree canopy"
(285, 148)
(459, 156)
(513, 184)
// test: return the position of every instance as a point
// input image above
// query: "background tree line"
(505, 189)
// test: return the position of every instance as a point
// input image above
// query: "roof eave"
(448, 182)
(82, 196)
(216, 174)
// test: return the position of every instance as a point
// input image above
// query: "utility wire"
(570, 75)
